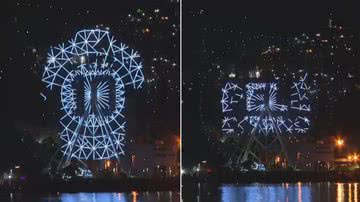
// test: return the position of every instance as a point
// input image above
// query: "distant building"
(317, 155)
(159, 158)
(323, 154)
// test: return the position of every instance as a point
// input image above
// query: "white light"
(257, 74)
(51, 59)
(82, 59)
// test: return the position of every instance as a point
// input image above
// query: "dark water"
(95, 197)
(272, 192)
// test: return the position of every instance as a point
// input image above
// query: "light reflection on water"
(288, 192)
(266, 192)
(97, 197)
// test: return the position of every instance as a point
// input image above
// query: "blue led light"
(92, 72)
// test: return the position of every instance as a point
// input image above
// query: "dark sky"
(298, 15)
(30, 27)
(257, 17)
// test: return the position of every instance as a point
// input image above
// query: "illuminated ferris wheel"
(92, 71)
(260, 112)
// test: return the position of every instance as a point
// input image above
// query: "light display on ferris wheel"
(258, 108)
(92, 72)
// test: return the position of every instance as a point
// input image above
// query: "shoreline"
(94, 185)
(276, 177)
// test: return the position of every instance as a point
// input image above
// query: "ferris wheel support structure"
(255, 142)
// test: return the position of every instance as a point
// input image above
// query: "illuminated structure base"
(60, 161)
(259, 148)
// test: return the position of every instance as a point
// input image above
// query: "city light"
(232, 75)
(178, 141)
(356, 157)
(277, 159)
(107, 164)
(257, 74)
(339, 142)
(353, 157)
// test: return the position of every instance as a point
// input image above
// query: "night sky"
(31, 27)
(219, 27)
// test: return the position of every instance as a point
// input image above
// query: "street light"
(356, 157)
(277, 159)
(339, 142)
(353, 157)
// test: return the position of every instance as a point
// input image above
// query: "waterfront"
(322, 191)
(166, 196)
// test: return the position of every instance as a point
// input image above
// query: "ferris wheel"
(260, 113)
(92, 72)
